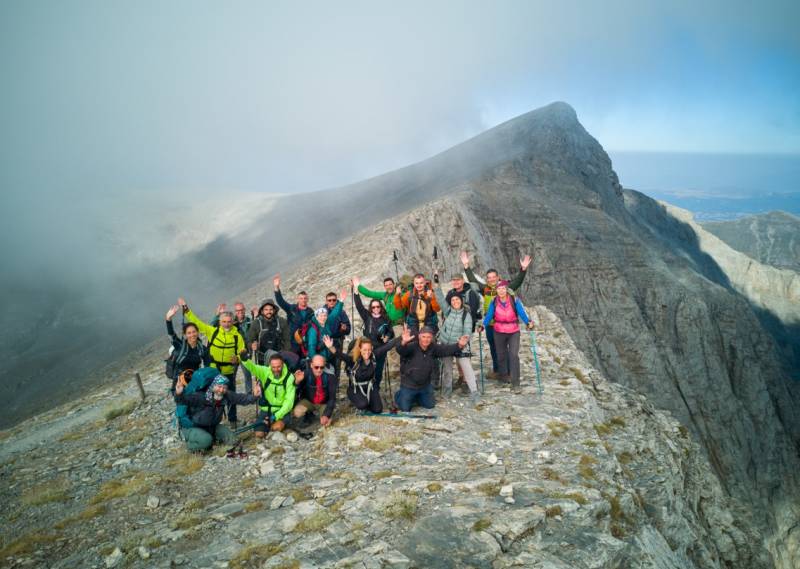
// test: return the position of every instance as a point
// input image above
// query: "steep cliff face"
(771, 238)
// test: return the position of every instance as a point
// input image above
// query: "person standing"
(297, 314)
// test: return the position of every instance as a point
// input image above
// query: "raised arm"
(362, 311)
(523, 270)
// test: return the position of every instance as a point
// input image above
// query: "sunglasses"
(330, 300)
(317, 367)
(375, 307)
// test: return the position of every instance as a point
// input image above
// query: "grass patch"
(89, 513)
(27, 544)
(186, 521)
(254, 555)
(550, 474)
(579, 375)
(381, 474)
(683, 431)
(565, 382)
(557, 428)
(485, 434)
(120, 409)
(402, 506)
(489, 488)
(317, 521)
(254, 506)
(482, 524)
(553, 511)
(590, 443)
(434, 487)
(47, 493)
(574, 496)
(602, 429)
(617, 421)
(625, 457)
(185, 463)
(302, 494)
(132, 483)
(278, 450)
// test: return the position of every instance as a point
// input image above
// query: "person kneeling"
(417, 367)
(363, 389)
(277, 389)
(317, 393)
(205, 411)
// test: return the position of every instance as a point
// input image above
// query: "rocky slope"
(771, 238)
(587, 475)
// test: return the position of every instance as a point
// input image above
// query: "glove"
(244, 355)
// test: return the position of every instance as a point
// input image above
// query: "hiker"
(310, 335)
(390, 291)
(417, 366)
(269, 332)
(224, 344)
(506, 311)
(277, 386)
(456, 323)
(489, 290)
(470, 298)
(363, 388)
(188, 353)
(297, 314)
(205, 411)
(339, 327)
(377, 327)
(242, 321)
(419, 305)
(317, 393)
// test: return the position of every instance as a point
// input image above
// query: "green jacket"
(396, 315)
(489, 292)
(277, 393)
(225, 344)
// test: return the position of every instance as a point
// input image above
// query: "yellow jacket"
(223, 345)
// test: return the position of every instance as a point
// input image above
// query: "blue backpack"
(201, 379)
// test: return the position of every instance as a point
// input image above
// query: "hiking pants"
(447, 374)
(337, 363)
(380, 361)
(200, 439)
(248, 380)
(508, 351)
(492, 348)
(373, 404)
(231, 387)
(407, 397)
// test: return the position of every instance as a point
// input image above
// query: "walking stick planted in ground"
(536, 362)
(480, 352)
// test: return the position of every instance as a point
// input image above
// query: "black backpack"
(177, 357)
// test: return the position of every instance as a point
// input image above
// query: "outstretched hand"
(299, 375)
(529, 325)
(524, 262)
(276, 281)
(221, 308)
(328, 341)
(407, 335)
(172, 311)
(465, 259)
(343, 294)
(257, 389)
(463, 341)
(182, 303)
(356, 282)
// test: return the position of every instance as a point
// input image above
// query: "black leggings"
(373, 404)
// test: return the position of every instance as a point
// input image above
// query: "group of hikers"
(291, 365)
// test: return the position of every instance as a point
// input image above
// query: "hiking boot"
(516, 389)
(233, 424)
(447, 392)
(475, 399)
(464, 388)
(493, 375)
(504, 378)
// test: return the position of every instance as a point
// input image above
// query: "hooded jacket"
(417, 366)
(314, 339)
(225, 344)
(271, 334)
(207, 413)
(396, 315)
(277, 393)
(408, 303)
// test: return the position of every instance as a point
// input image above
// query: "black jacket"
(365, 372)
(375, 328)
(208, 414)
(272, 334)
(308, 388)
(417, 367)
(335, 325)
(187, 357)
(294, 315)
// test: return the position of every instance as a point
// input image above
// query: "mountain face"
(771, 238)
(648, 307)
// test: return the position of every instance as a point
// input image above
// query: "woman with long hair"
(188, 352)
(361, 364)
(377, 327)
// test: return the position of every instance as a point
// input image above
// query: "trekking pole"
(480, 352)
(352, 312)
(396, 270)
(536, 361)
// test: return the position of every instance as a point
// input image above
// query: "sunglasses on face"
(330, 300)
(375, 307)
(317, 367)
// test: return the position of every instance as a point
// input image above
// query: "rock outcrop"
(770, 238)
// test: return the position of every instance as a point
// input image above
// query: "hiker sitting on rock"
(316, 393)
(277, 386)
(418, 368)
(456, 323)
(377, 328)
(224, 344)
(489, 290)
(297, 314)
(206, 409)
(506, 311)
(363, 389)
(419, 304)
(188, 353)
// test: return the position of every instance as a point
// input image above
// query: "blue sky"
(105, 97)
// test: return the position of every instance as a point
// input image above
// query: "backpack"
(275, 332)
(301, 337)
(177, 357)
(201, 379)
(224, 347)
(512, 300)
